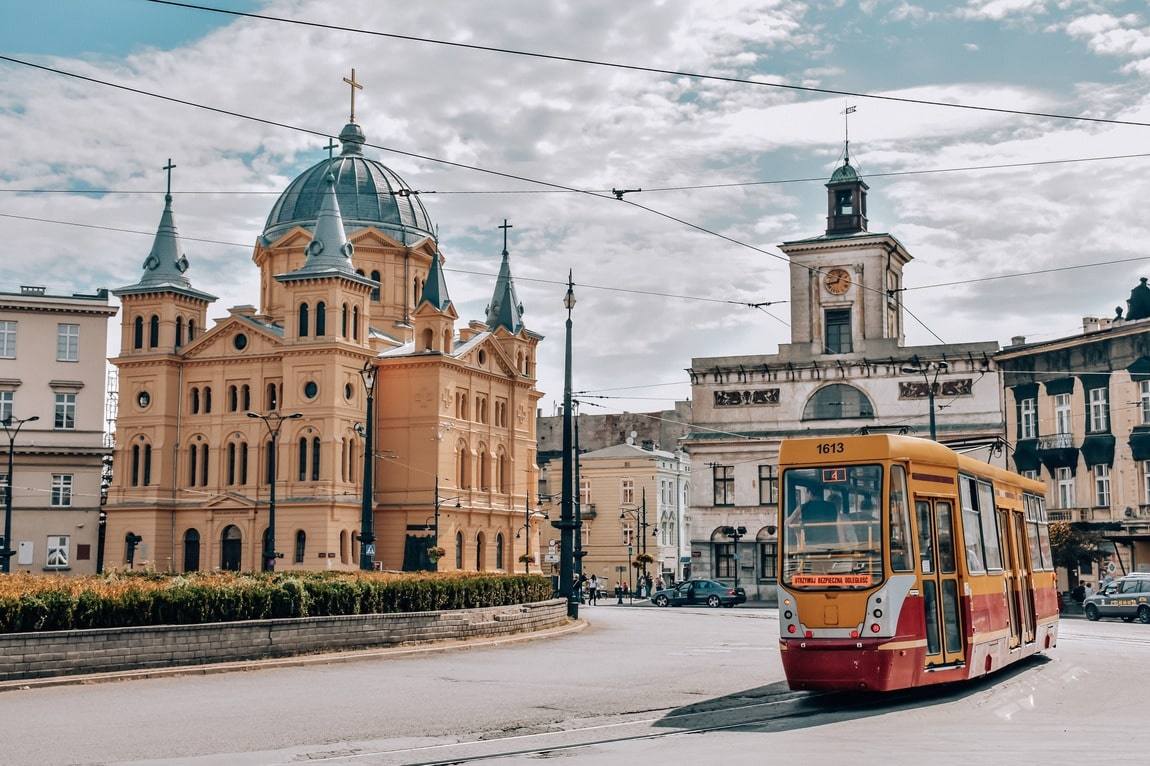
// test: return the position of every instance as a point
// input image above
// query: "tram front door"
(938, 575)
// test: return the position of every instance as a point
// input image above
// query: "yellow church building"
(351, 278)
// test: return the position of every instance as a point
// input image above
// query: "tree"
(1072, 545)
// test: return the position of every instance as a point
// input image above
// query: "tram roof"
(893, 447)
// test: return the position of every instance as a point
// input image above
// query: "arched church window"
(355, 323)
(203, 465)
(233, 398)
(320, 319)
(179, 331)
(499, 550)
(246, 397)
(191, 330)
(415, 292)
(428, 339)
(272, 399)
(146, 478)
(459, 550)
(135, 465)
(231, 463)
(316, 450)
(300, 546)
(193, 456)
(343, 325)
(303, 320)
(138, 333)
(303, 458)
(243, 477)
(836, 401)
(379, 286)
(480, 550)
(154, 332)
(195, 401)
(207, 400)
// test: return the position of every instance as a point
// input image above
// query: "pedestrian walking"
(593, 590)
(659, 583)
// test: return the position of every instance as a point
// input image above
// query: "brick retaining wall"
(73, 652)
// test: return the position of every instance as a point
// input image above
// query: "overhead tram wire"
(438, 160)
(645, 189)
(563, 283)
(652, 69)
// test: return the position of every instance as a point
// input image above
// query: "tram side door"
(938, 572)
(1024, 581)
(1010, 574)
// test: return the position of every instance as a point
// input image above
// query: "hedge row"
(36, 603)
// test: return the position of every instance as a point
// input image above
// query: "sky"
(597, 128)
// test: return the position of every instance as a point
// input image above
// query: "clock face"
(143, 399)
(837, 281)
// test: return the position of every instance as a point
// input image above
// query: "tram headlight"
(877, 614)
(788, 614)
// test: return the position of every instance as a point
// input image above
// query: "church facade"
(846, 370)
(213, 419)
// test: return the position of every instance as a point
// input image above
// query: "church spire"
(505, 310)
(329, 251)
(166, 265)
(435, 288)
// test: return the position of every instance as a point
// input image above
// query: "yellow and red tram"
(903, 563)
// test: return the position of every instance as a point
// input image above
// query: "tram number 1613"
(831, 448)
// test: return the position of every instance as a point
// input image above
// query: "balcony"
(1060, 515)
(1055, 441)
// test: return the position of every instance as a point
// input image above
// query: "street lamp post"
(639, 514)
(7, 553)
(435, 533)
(566, 523)
(367, 518)
(525, 530)
(577, 492)
(273, 421)
(736, 534)
(924, 369)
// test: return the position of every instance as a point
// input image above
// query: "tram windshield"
(832, 532)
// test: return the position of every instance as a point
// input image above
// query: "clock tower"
(846, 284)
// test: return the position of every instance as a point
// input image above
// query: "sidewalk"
(644, 602)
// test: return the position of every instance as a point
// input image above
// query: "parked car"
(1127, 597)
(709, 592)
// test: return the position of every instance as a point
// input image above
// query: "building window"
(1102, 486)
(300, 546)
(628, 536)
(1062, 413)
(179, 331)
(627, 491)
(585, 492)
(768, 485)
(67, 342)
(1028, 419)
(6, 400)
(724, 559)
(191, 550)
(459, 550)
(1064, 480)
(8, 340)
(838, 331)
(724, 477)
(1099, 410)
(138, 333)
(355, 322)
(768, 560)
(499, 551)
(303, 320)
(246, 397)
(57, 552)
(1031, 474)
(375, 290)
(65, 412)
(837, 401)
(61, 490)
(316, 451)
(154, 332)
(320, 319)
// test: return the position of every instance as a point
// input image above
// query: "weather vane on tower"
(846, 131)
(354, 87)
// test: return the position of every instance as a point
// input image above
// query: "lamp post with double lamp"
(525, 530)
(435, 521)
(639, 514)
(12, 428)
(925, 369)
(273, 421)
(367, 518)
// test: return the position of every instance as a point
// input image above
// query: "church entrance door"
(231, 545)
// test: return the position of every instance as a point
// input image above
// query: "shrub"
(37, 603)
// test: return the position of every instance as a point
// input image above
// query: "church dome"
(844, 173)
(369, 194)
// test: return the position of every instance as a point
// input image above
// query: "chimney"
(1018, 340)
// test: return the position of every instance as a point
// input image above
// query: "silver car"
(1127, 597)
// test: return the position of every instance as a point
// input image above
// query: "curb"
(571, 627)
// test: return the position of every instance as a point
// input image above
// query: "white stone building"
(52, 368)
(846, 370)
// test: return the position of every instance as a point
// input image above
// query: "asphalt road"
(640, 685)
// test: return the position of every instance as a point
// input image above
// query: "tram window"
(1032, 530)
(901, 553)
(925, 539)
(990, 537)
(946, 563)
(971, 527)
(950, 616)
(1044, 535)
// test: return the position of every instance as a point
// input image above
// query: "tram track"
(403, 756)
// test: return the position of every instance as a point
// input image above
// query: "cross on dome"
(354, 87)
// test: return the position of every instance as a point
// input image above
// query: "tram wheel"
(713, 601)
(1144, 614)
(1092, 612)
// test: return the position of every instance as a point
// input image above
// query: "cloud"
(999, 10)
(590, 128)
(970, 46)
